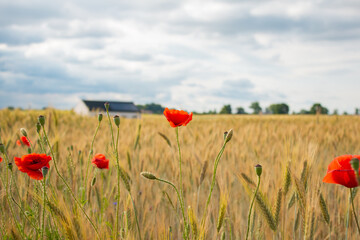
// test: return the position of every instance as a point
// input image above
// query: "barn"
(122, 109)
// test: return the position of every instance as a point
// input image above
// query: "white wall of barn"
(81, 108)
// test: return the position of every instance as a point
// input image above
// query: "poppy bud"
(100, 117)
(107, 105)
(2, 148)
(10, 166)
(42, 120)
(29, 150)
(117, 120)
(44, 170)
(225, 134)
(23, 132)
(93, 181)
(148, 175)
(228, 135)
(258, 170)
(38, 127)
(355, 164)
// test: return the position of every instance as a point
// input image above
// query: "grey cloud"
(130, 56)
(13, 13)
(241, 89)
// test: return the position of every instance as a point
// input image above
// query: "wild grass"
(294, 152)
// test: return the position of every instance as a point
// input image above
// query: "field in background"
(271, 141)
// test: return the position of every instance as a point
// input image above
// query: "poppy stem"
(43, 212)
(181, 205)
(89, 157)
(181, 199)
(180, 175)
(66, 184)
(212, 183)
(251, 206)
(118, 183)
(41, 143)
(353, 208)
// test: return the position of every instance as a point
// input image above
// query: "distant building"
(123, 109)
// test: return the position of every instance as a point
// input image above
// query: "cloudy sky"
(194, 55)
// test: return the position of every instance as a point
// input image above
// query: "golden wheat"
(146, 144)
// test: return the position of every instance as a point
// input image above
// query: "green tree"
(153, 107)
(279, 108)
(240, 110)
(255, 106)
(303, 111)
(226, 109)
(317, 108)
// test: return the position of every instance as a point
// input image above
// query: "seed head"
(23, 132)
(225, 134)
(45, 171)
(107, 105)
(42, 120)
(258, 170)
(228, 135)
(355, 164)
(100, 117)
(117, 120)
(148, 175)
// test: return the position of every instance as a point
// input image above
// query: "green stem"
(89, 157)
(182, 203)
(353, 208)
(43, 213)
(8, 194)
(21, 209)
(67, 185)
(251, 206)
(115, 149)
(180, 174)
(118, 183)
(212, 183)
(41, 143)
(179, 197)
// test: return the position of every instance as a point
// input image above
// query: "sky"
(193, 55)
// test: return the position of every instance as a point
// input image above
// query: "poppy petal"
(343, 177)
(37, 175)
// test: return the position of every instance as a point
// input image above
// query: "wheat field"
(294, 152)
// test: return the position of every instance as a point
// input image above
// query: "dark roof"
(114, 106)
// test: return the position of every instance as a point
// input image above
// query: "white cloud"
(196, 55)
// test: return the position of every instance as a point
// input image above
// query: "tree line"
(276, 108)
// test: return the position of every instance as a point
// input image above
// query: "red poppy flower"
(32, 164)
(100, 161)
(0, 159)
(18, 142)
(25, 141)
(177, 118)
(340, 172)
